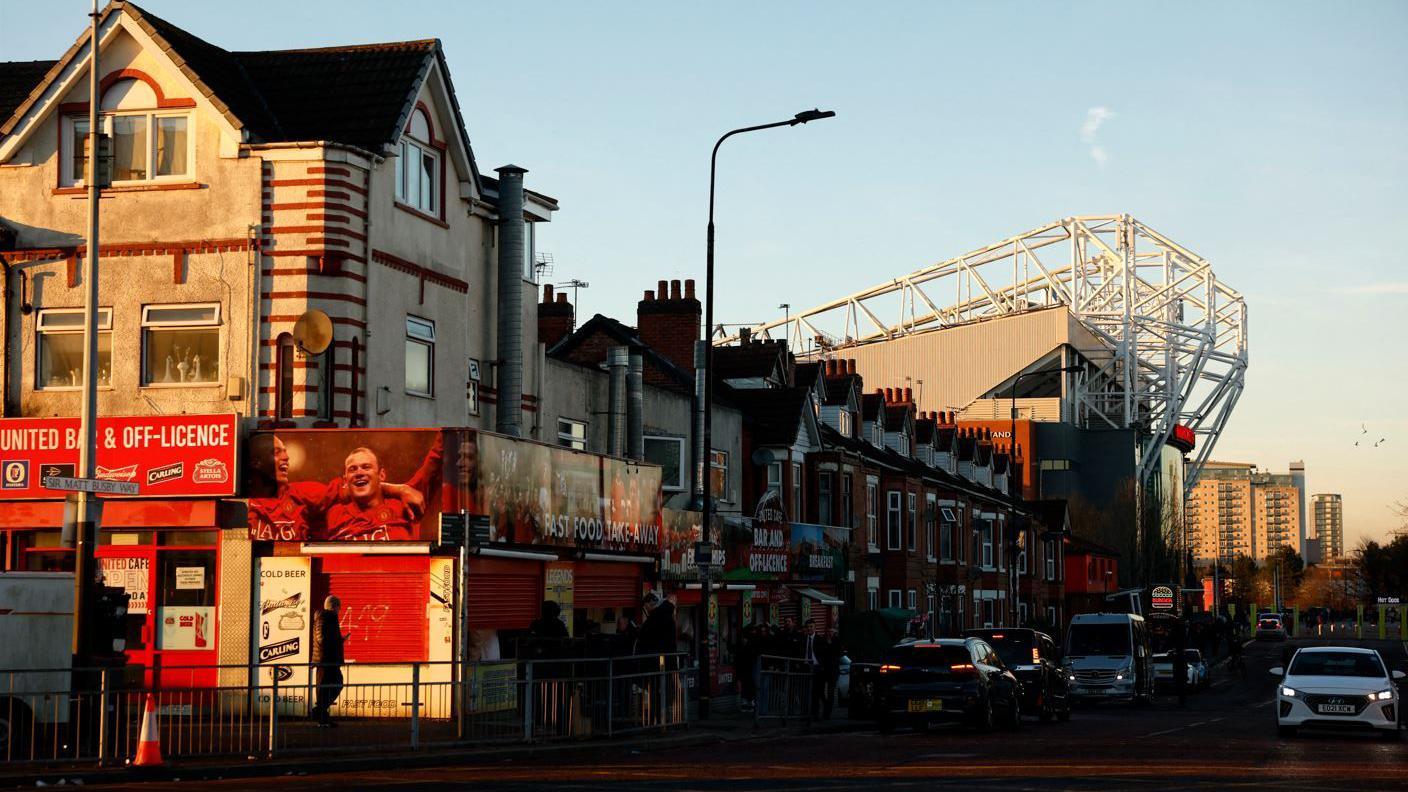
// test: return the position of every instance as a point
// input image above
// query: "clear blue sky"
(1269, 137)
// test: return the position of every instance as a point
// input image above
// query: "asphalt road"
(1224, 738)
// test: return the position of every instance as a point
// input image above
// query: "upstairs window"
(893, 515)
(572, 434)
(181, 344)
(60, 355)
(420, 356)
(824, 496)
(668, 453)
(148, 144)
(418, 166)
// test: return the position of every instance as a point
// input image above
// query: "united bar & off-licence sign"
(164, 455)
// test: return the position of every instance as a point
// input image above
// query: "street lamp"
(1012, 572)
(708, 498)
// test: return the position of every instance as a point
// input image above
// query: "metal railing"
(784, 689)
(58, 716)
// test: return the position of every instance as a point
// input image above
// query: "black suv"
(947, 679)
(1036, 661)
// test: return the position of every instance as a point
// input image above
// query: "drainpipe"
(509, 415)
(618, 361)
(635, 404)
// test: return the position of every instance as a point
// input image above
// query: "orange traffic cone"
(149, 743)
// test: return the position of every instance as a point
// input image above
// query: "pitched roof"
(754, 359)
(623, 335)
(838, 389)
(357, 96)
(870, 406)
(17, 80)
(805, 375)
(774, 415)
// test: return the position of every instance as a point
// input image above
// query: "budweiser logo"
(166, 473)
(292, 601)
(210, 471)
(117, 474)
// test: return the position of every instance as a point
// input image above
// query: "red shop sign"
(164, 455)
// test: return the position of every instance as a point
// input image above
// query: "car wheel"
(1286, 731)
(14, 730)
(982, 719)
(1012, 720)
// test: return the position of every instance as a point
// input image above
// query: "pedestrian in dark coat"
(657, 634)
(327, 655)
(549, 624)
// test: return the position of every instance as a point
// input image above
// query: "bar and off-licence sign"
(164, 455)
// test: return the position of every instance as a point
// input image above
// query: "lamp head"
(812, 115)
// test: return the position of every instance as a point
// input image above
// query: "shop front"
(160, 547)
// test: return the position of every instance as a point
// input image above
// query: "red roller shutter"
(383, 605)
(504, 594)
(606, 585)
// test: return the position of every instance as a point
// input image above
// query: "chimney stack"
(556, 317)
(668, 322)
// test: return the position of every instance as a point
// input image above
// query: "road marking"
(1181, 728)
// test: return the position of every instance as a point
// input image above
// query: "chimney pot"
(547, 292)
(851, 366)
(689, 288)
(662, 289)
(909, 394)
(649, 296)
(562, 297)
(674, 290)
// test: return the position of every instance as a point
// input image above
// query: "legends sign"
(162, 455)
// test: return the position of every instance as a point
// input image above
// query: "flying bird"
(1381, 439)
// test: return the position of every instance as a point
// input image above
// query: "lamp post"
(1012, 573)
(708, 497)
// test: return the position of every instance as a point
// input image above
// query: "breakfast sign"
(164, 455)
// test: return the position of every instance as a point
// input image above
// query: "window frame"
(148, 324)
(773, 481)
(894, 529)
(847, 500)
(40, 333)
(911, 517)
(152, 115)
(872, 518)
(429, 342)
(797, 492)
(430, 148)
(570, 439)
(825, 497)
(895, 598)
(911, 599)
(681, 483)
(931, 527)
(725, 494)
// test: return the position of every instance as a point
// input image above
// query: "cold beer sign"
(163, 455)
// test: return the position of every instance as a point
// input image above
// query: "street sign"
(100, 486)
(703, 554)
(458, 529)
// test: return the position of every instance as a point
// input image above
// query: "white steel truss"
(1176, 336)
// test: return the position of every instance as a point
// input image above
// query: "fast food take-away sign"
(164, 455)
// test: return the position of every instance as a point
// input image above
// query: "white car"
(1197, 669)
(1337, 686)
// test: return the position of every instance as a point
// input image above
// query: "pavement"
(1225, 737)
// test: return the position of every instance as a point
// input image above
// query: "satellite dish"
(313, 332)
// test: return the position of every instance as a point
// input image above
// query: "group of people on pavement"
(764, 648)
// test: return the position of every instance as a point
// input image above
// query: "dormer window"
(149, 144)
(418, 176)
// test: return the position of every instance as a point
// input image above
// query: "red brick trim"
(331, 170)
(72, 263)
(314, 295)
(316, 229)
(324, 183)
(411, 268)
(338, 194)
(178, 268)
(336, 320)
(22, 255)
(341, 255)
(314, 271)
(324, 205)
(327, 218)
(162, 101)
(328, 241)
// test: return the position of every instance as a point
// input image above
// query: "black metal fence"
(56, 716)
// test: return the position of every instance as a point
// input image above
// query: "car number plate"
(926, 705)
(1337, 709)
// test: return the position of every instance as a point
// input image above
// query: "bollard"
(103, 717)
(273, 711)
(610, 696)
(528, 701)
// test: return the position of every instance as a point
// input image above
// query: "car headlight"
(1288, 692)
(1382, 695)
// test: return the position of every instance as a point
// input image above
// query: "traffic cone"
(149, 743)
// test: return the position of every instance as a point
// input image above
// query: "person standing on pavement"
(814, 653)
(831, 667)
(327, 658)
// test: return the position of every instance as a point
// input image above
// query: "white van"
(36, 634)
(1107, 657)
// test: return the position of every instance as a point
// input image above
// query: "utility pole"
(88, 508)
